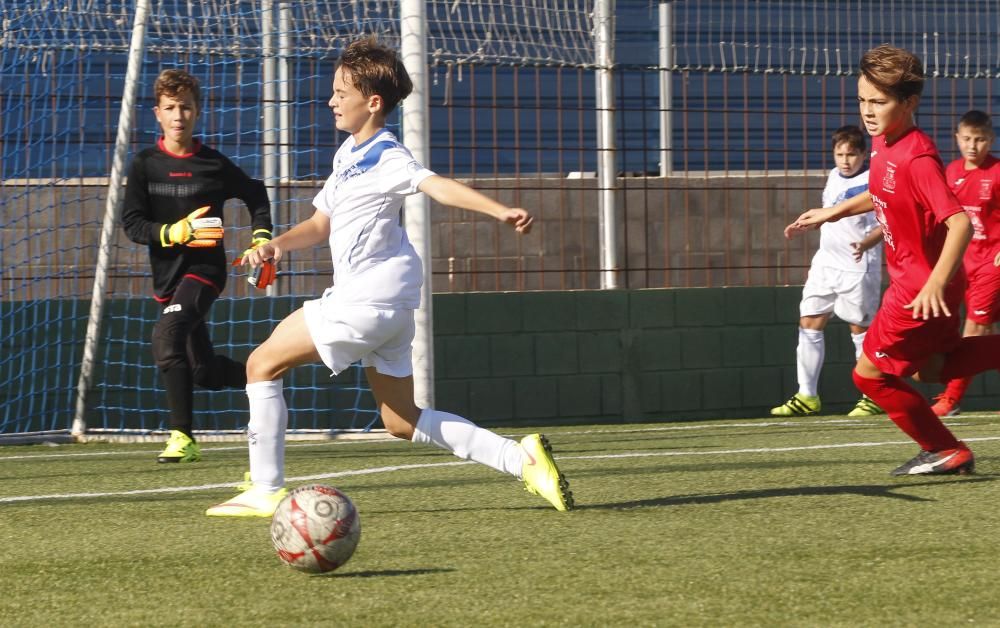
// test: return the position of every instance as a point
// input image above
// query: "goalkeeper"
(174, 204)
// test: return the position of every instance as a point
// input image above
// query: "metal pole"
(604, 30)
(112, 209)
(269, 109)
(666, 89)
(284, 99)
(413, 40)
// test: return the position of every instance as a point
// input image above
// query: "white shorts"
(345, 334)
(853, 297)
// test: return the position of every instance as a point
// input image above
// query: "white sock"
(468, 441)
(859, 341)
(811, 351)
(266, 434)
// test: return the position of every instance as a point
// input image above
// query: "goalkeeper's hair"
(175, 83)
(895, 71)
(377, 69)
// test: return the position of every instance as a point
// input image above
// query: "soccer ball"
(315, 528)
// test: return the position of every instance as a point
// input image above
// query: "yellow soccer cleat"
(180, 448)
(866, 407)
(798, 405)
(541, 475)
(253, 502)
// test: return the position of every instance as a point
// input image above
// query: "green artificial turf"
(725, 523)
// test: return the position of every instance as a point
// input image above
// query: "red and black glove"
(262, 276)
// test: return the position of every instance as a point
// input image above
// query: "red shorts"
(898, 344)
(982, 298)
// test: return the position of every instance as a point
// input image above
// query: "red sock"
(908, 410)
(974, 354)
(955, 388)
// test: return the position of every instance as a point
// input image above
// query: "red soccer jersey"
(978, 190)
(912, 200)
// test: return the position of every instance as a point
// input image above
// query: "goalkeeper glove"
(193, 231)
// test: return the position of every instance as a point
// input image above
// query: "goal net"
(62, 65)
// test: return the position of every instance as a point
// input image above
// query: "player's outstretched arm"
(307, 233)
(809, 219)
(812, 218)
(451, 192)
(930, 300)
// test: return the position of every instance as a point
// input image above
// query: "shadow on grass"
(383, 573)
(864, 490)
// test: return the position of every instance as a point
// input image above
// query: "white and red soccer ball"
(315, 528)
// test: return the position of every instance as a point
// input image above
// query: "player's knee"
(396, 425)
(399, 417)
(206, 377)
(866, 370)
(815, 322)
(973, 328)
(169, 342)
(221, 372)
(260, 368)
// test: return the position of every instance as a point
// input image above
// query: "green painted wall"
(640, 355)
(501, 358)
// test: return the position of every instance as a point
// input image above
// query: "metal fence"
(757, 88)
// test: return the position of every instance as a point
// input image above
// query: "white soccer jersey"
(835, 238)
(373, 260)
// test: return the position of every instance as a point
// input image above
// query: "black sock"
(180, 398)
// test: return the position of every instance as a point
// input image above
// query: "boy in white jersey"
(368, 313)
(845, 278)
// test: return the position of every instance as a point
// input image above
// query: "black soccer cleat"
(958, 461)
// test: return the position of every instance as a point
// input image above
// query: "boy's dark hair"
(976, 119)
(174, 83)
(377, 69)
(851, 134)
(895, 71)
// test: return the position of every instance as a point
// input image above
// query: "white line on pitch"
(432, 465)
(148, 452)
(209, 487)
(662, 428)
(389, 439)
(755, 450)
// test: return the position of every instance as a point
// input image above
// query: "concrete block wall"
(692, 229)
(529, 358)
(639, 355)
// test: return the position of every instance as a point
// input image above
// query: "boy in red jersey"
(975, 180)
(915, 332)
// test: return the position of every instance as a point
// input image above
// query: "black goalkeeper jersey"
(163, 188)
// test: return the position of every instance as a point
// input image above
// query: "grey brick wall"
(695, 229)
